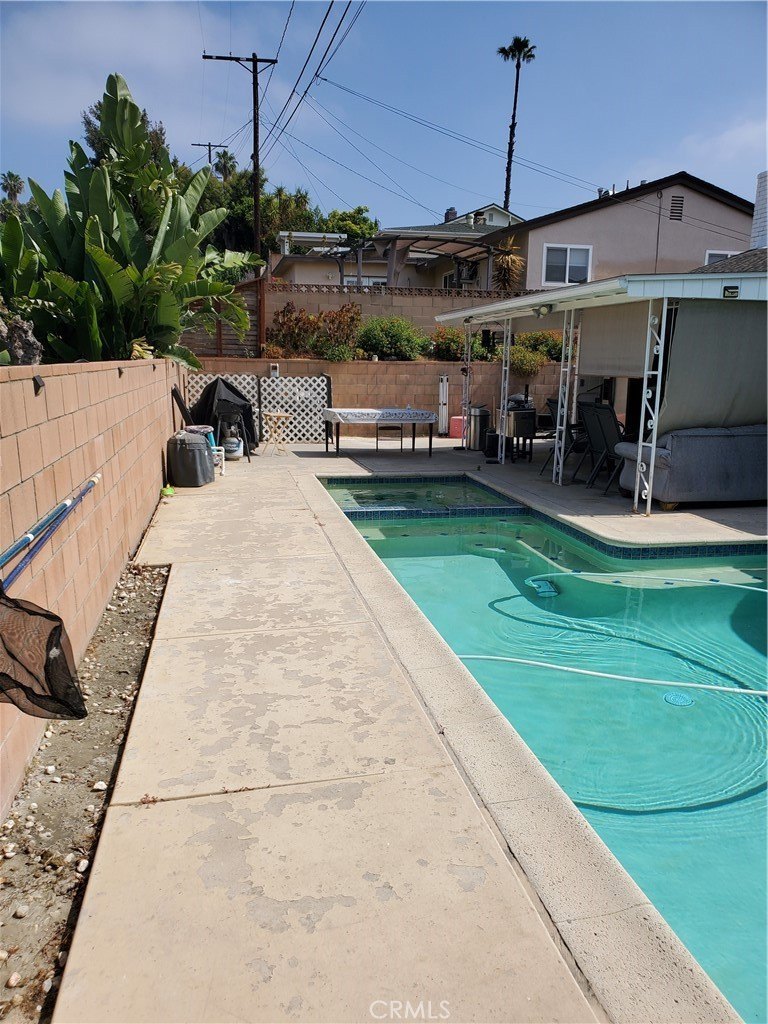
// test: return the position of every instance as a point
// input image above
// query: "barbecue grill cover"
(37, 670)
(205, 408)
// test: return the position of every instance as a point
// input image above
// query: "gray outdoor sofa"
(717, 464)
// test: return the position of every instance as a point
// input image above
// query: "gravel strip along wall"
(112, 418)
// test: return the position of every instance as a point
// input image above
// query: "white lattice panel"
(304, 397)
(248, 383)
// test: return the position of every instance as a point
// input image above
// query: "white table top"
(406, 415)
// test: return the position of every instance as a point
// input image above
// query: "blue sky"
(618, 91)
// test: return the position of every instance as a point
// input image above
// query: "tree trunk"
(511, 142)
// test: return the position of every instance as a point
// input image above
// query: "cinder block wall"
(366, 384)
(112, 418)
(419, 305)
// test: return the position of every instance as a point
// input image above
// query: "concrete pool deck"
(320, 816)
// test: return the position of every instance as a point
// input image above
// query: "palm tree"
(12, 185)
(521, 52)
(224, 164)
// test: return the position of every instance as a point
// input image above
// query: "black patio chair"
(575, 441)
(603, 432)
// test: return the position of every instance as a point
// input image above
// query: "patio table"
(391, 417)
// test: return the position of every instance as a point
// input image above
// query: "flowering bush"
(525, 362)
(448, 345)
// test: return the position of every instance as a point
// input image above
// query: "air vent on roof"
(676, 207)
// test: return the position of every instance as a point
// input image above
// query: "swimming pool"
(671, 776)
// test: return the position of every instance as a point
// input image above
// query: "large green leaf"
(159, 242)
(129, 236)
(183, 355)
(100, 200)
(117, 281)
(12, 244)
(194, 190)
(54, 214)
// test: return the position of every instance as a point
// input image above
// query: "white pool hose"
(736, 691)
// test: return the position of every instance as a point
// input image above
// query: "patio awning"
(613, 291)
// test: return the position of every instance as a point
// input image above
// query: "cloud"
(731, 157)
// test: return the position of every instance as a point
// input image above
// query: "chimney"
(450, 214)
(759, 237)
(471, 220)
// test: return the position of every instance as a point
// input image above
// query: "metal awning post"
(566, 359)
(466, 384)
(508, 336)
(649, 410)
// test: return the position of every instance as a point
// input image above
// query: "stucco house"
(448, 255)
(669, 225)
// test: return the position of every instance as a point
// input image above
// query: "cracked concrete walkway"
(288, 838)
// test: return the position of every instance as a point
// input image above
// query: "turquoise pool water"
(419, 494)
(672, 778)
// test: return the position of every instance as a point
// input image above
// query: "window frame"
(567, 246)
(723, 254)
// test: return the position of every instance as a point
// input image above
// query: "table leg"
(338, 430)
(431, 427)
(327, 426)
(413, 437)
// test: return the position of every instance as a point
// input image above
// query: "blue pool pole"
(34, 531)
(53, 523)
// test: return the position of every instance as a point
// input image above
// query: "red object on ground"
(455, 429)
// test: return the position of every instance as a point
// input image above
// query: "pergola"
(401, 243)
(658, 298)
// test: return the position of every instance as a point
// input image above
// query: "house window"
(365, 281)
(567, 264)
(715, 255)
(449, 280)
(676, 204)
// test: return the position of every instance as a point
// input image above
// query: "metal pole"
(504, 396)
(566, 356)
(649, 410)
(466, 391)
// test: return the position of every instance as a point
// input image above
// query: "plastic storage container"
(190, 460)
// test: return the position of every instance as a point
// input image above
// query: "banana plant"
(113, 267)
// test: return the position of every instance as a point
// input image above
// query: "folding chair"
(613, 434)
(575, 442)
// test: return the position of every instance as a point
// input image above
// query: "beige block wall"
(419, 306)
(397, 384)
(111, 418)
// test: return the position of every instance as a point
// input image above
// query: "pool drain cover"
(678, 699)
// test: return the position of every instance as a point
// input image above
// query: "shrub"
(548, 342)
(391, 337)
(525, 362)
(330, 335)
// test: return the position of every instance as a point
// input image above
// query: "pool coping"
(634, 964)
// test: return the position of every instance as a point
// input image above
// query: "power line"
(564, 176)
(358, 173)
(279, 48)
(340, 43)
(303, 69)
(414, 167)
(314, 77)
(406, 194)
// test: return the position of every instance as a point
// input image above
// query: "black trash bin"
(190, 460)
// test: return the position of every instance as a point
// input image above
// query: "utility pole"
(210, 146)
(251, 64)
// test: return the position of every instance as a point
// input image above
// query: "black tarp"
(37, 670)
(205, 408)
